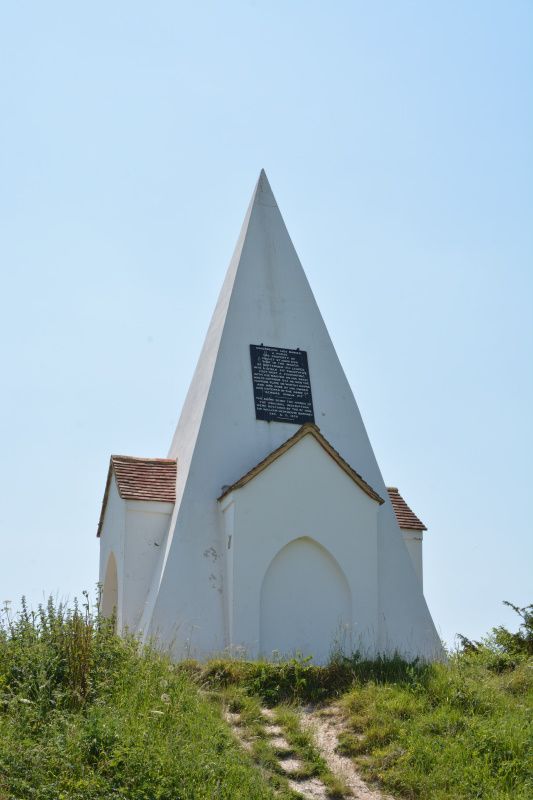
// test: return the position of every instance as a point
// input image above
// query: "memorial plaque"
(282, 389)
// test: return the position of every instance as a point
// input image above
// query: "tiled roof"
(145, 478)
(407, 519)
(308, 429)
(141, 479)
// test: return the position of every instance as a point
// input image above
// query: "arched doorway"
(109, 599)
(305, 603)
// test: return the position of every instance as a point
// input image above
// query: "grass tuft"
(85, 715)
(465, 731)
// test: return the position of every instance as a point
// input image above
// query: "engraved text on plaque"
(282, 390)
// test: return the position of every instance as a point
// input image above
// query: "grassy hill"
(85, 714)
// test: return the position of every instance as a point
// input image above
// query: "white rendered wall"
(132, 531)
(146, 528)
(112, 542)
(305, 604)
(266, 299)
(109, 597)
(302, 559)
(413, 541)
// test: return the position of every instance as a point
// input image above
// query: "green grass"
(461, 730)
(249, 708)
(252, 725)
(301, 742)
(297, 680)
(84, 715)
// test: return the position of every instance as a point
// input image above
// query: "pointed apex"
(263, 193)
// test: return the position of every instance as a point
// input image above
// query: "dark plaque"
(282, 390)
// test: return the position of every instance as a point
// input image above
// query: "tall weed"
(86, 715)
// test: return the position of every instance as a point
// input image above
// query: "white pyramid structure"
(256, 535)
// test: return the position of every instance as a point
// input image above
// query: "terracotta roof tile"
(308, 428)
(141, 479)
(407, 519)
(145, 478)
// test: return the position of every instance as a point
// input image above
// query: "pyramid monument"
(268, 530)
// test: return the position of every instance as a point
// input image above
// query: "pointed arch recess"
(305, 603)
(109, 600)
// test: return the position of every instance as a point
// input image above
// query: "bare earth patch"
(233, 721)
(325, 730)
(280, 743)
(273, 730)
(325, 727)
(311, 789)
(290, 765)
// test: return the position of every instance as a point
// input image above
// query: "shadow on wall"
(109, 599)
(305, 602)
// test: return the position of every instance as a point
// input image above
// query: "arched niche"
(305, 604)
(109, 599)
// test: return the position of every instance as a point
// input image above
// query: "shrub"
(86, 715)
(297, 680)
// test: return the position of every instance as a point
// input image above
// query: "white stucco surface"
(109, 598)
(132, 532)
(291, 529)
(306, 604)
(112, 538)
(146, 529)
(413, 541)
(199, 600)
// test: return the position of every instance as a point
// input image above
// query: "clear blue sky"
(398, 139)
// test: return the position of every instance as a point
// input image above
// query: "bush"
(461, 729)
(521, 642)
(297, 680)
(502, 641)
(86, 715)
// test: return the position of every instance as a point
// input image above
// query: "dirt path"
(308, 788)
(326, 727)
